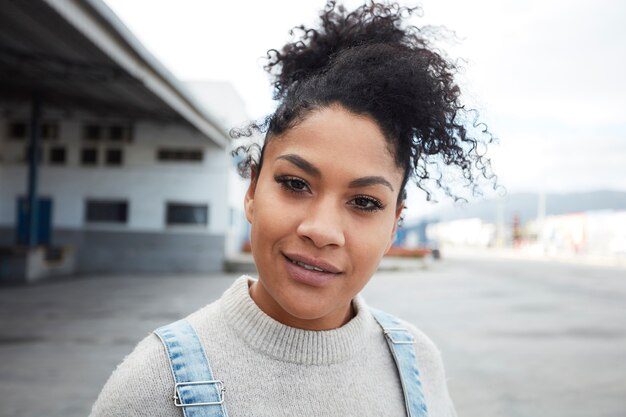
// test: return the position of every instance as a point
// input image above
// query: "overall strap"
(401, 342)
(195, 389)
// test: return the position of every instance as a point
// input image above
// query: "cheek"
(367, 249)
(272, 216)
(367, 243)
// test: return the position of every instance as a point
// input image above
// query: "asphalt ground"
(519, 338)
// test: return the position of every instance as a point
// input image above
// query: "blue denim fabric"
(401, 343)
(190, 365)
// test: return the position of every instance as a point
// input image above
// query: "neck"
(269, 306)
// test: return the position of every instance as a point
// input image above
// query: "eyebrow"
(302, 163)
(312, 170)
(369, 181)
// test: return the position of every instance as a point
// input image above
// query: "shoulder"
(427, 353)
(431, 367)
(424, 346)
(426, 350)
(143, 384)
(140, 386)
(432, 372)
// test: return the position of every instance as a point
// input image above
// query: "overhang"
(77, 54)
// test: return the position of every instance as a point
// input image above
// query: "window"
(21, 130)
(114, 157)
(188, 155)
(106, 211)
(187, 214)
(50, 131)
(89, 156)
(17, 130)
(107, 132)
(116, 133)
(120, 133)
(91, 132)
(57, 155)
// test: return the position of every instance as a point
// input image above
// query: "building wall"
(145, 182)
(111, 252)
(145, 242)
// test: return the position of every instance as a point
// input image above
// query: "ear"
(395, 225)
(248, 201)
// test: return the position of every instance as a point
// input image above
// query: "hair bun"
(312, 49)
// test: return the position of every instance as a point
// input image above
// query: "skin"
(328, 191)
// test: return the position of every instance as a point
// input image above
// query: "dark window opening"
(187, 214)
(116, 133)
(92, 132)
(191, 155)
(114, 157)
(89, 156)
(21, 130)
(57, 155)
(107, 211)
(119, 133)
(17, 130)
(50, 131)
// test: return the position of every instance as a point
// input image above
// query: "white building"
(133, 171)
(230, 110)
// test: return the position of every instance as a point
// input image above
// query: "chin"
(306, 309)
(315, 315)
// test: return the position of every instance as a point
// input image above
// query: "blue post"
(33, 169)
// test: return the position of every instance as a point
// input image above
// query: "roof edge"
(104, 28)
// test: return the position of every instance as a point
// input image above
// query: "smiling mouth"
(311, 267)
(306, 266)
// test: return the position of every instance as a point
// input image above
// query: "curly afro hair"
(370, 62)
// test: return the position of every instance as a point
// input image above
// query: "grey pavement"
(519, 338)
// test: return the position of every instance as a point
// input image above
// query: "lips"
(312, 272)
(312, 264)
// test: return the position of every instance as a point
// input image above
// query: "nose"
(322, 224)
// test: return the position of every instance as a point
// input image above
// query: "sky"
(547, 76)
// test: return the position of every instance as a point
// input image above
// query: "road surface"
(519, 338)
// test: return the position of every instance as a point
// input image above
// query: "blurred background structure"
(108, 163)
(134, 173)
(585, 227)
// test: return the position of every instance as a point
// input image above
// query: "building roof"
(79, 54)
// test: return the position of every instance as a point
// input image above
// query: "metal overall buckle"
(389, 333)
(220, 388)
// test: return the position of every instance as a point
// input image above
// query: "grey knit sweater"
(270, 369)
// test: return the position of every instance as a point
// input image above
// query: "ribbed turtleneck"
(289, 344)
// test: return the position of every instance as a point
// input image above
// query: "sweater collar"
(289, 344)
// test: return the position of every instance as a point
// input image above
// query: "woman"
(364, 106)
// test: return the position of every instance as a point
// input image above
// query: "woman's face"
(323, 212)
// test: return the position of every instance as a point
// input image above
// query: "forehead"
(335, 137)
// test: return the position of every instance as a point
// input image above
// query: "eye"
(293, 184)
(366, 203)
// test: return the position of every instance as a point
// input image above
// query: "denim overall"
(199, 394)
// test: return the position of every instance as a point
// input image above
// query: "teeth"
(307, 266)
